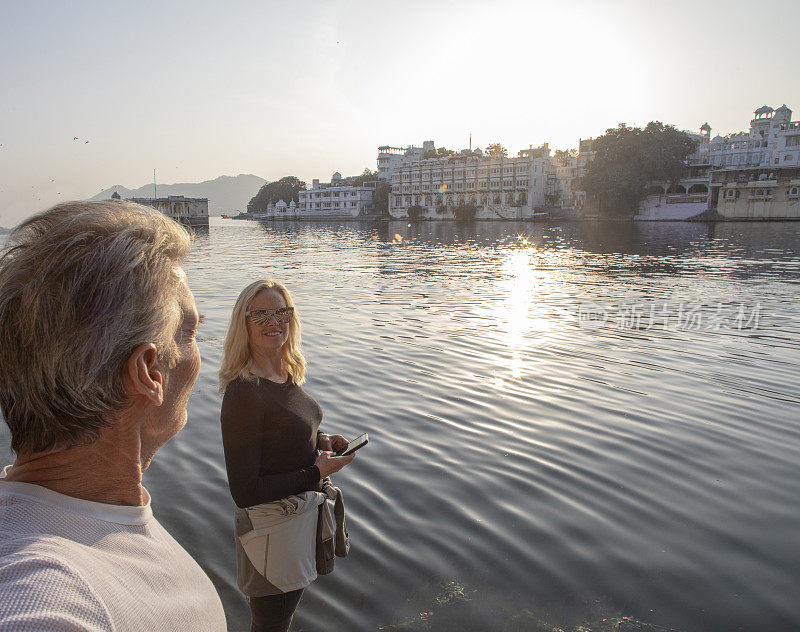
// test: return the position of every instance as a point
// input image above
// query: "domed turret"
(336, 177)
(783, 113)
(764, 110)
(706, 128)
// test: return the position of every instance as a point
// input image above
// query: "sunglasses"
(261, 317)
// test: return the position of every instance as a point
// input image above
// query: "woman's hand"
(328, 462)
(331, 443)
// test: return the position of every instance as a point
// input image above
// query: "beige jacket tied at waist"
(283, 543)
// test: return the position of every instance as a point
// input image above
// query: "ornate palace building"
(496, 187)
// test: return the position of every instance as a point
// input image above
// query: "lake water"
(527, 462)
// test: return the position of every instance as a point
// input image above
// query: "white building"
(568, 175)
(335, 200)
(498, 187)
(773, 141)
(772, 144)
(188, 211)
(391, 158)
(324, 200)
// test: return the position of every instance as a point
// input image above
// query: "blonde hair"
(81, 286)
(236, 352)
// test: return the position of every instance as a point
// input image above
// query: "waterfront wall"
(664, 207)
(773, 199)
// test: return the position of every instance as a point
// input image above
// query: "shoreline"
(537, 220)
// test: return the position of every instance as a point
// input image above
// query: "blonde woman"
(270, 430)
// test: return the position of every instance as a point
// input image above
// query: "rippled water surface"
(524, 462)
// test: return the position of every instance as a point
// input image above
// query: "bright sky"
(205, 88)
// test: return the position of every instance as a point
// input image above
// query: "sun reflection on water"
(518, 313)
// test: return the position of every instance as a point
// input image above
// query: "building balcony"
(758, 184)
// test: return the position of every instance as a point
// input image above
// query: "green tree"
(439, 152)
(628, 158)
(286, 189)
(465, 212)
(495, 150)
(360, 180)
(380, 198)
(563, 156)
(416, 212)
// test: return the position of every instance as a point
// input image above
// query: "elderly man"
(97, 360)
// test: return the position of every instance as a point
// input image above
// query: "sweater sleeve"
(243, 418)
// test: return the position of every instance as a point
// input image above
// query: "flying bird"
(74, 138)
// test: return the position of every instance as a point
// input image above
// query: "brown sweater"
(269, 432)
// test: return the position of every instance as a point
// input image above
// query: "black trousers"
(274, 613)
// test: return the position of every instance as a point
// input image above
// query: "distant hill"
(225, 194)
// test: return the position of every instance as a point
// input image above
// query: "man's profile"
(97, 360)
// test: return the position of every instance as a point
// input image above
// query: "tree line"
(627, 159)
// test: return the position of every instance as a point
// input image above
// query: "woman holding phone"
(270, 430)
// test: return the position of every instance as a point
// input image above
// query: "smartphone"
(355, 444)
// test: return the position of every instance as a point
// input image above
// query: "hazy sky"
(304, 87)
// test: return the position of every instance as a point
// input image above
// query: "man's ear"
(142, 375)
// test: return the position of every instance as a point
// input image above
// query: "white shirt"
(71, 564)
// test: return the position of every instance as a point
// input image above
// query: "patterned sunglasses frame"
(261, 317)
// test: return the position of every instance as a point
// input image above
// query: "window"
(787, 157)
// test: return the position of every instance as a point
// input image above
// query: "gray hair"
(81, 286)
